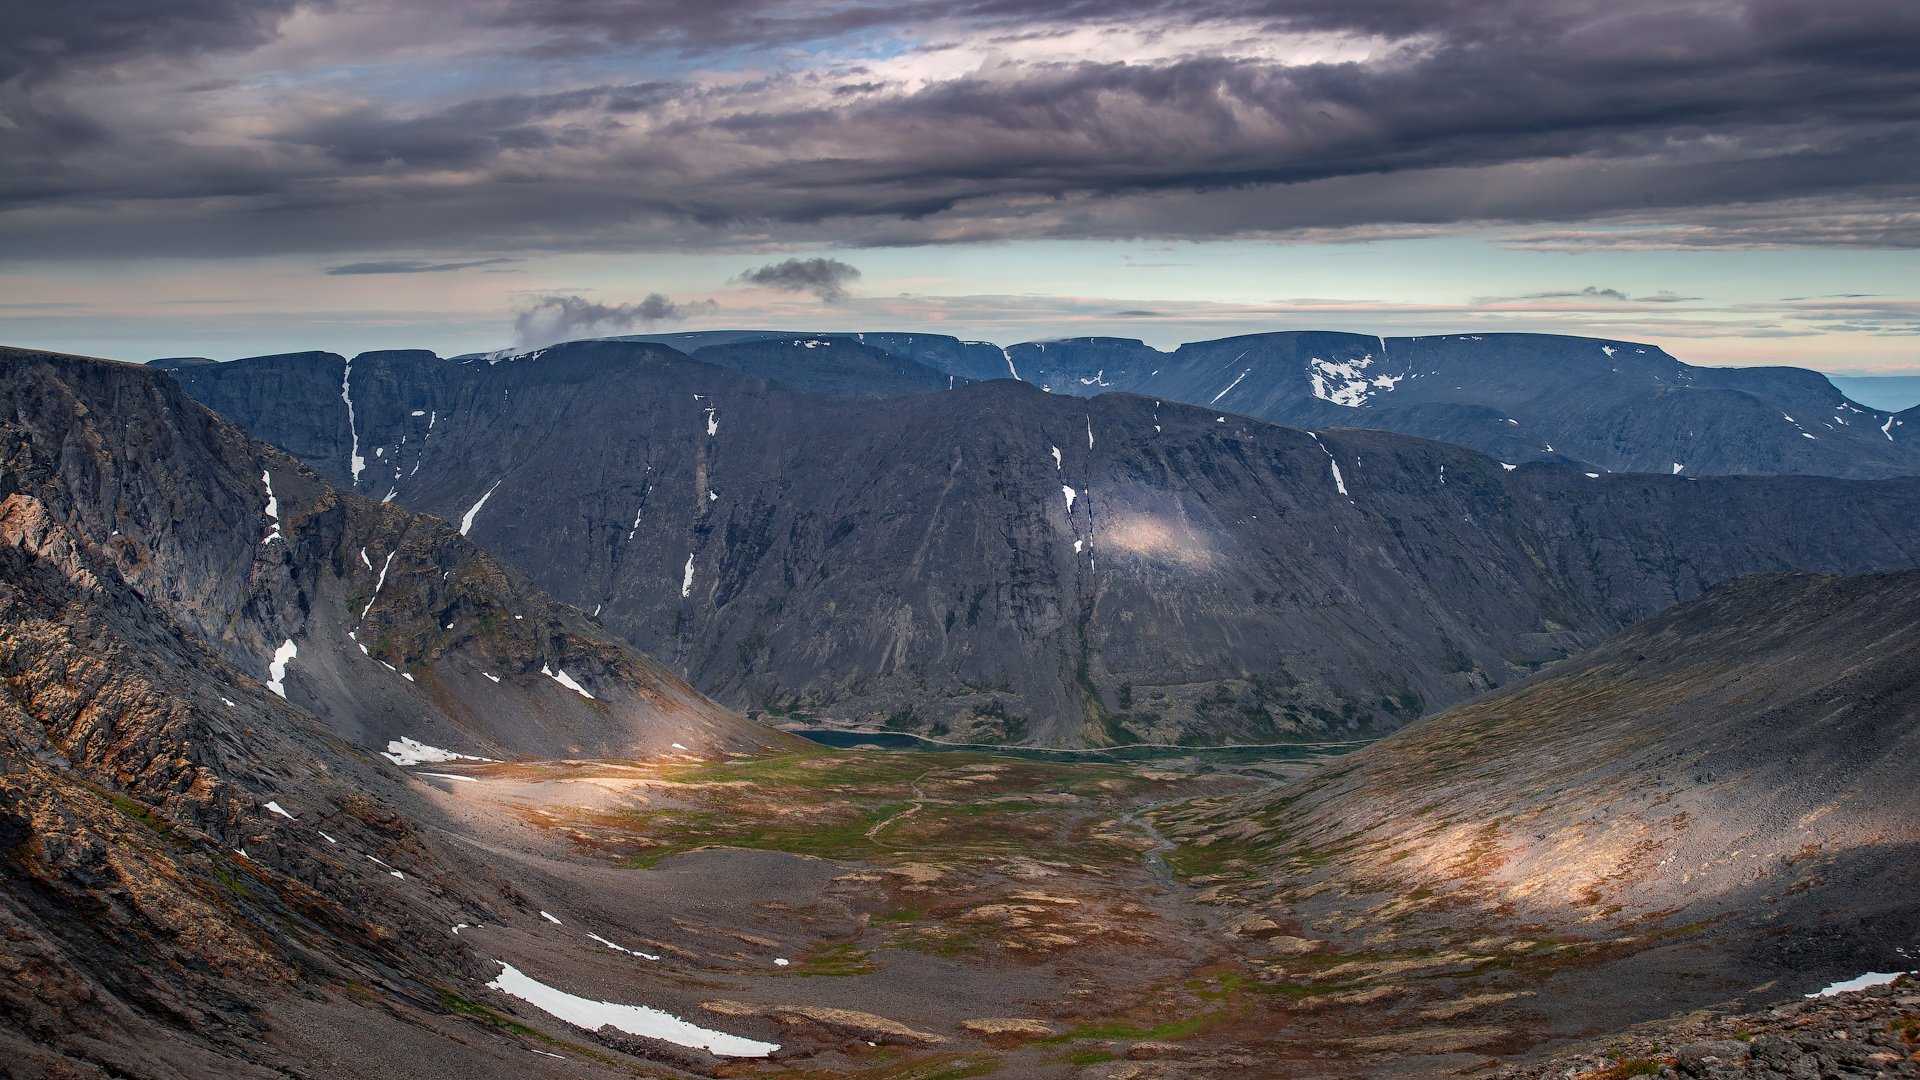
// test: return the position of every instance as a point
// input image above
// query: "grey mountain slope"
(1725, 791)
(917, 561)
(396, 619)
(1610, 405)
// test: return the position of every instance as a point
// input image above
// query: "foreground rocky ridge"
(1860, 1034)
(999, 564)
(204, 864)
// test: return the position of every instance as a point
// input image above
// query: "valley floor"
(926, 916)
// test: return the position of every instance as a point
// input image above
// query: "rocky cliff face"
(201, 862)
(998, 563)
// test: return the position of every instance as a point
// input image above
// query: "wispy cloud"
(410, 266)
(560, 318)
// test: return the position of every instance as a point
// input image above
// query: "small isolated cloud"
(1590, 292)
(409, 266)
(561, 318)
(825, 278)
(1138, 313)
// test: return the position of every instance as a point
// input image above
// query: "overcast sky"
(1733, 179)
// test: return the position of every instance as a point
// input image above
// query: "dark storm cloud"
(560, 318)
(825, 278)
(41, 38)
(409, 266)
(1672, 125)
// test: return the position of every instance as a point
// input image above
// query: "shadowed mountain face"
(1717, 798)
(1615, 406)
(998, 563)
(203, 871)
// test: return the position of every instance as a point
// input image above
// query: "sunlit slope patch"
(1736, 772)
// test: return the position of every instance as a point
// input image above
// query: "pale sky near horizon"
(1729, 179)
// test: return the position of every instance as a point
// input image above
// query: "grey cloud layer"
(1695, 124)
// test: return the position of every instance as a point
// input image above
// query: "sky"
(1734, 180)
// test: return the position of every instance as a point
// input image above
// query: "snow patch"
(1230, 386)
(355, 463)
(560, 676)
(466, 519)
(1346, 382)
(1508, 467)
(378, 583)
(407, 750)
(1056, 458)
(622, 948)
(1677, 467)
(590, 1015)
(277, 670)
(491, 675)
(713, 423)
(1858, 982)
(449, 776)
(273, 508)
(550, 918)
(686, 580)
(275, 807)
(1069, 493)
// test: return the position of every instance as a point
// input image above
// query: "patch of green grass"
(833, 960)
(908, 914)
(140, 812)
(1165, 1031)
(1081, 1057)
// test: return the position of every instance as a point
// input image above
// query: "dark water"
(894, 740)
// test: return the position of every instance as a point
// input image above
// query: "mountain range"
(1590, 403)
(996, 563)
(209, 869)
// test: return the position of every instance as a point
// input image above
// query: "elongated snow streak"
(1089, 432)
(1887, 428)
(686, 582)
(1069, 493)
(277, 670)
(713, 423)
(273, 506)
(622, 948)
(1339, 483)
(377, 584)
(363, 558)
(1056, 458)
(466, 519)
(276, 808)
(355, 462)
(1008, 357)
(560, 676)
(590, 1015)
(1230, 386)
